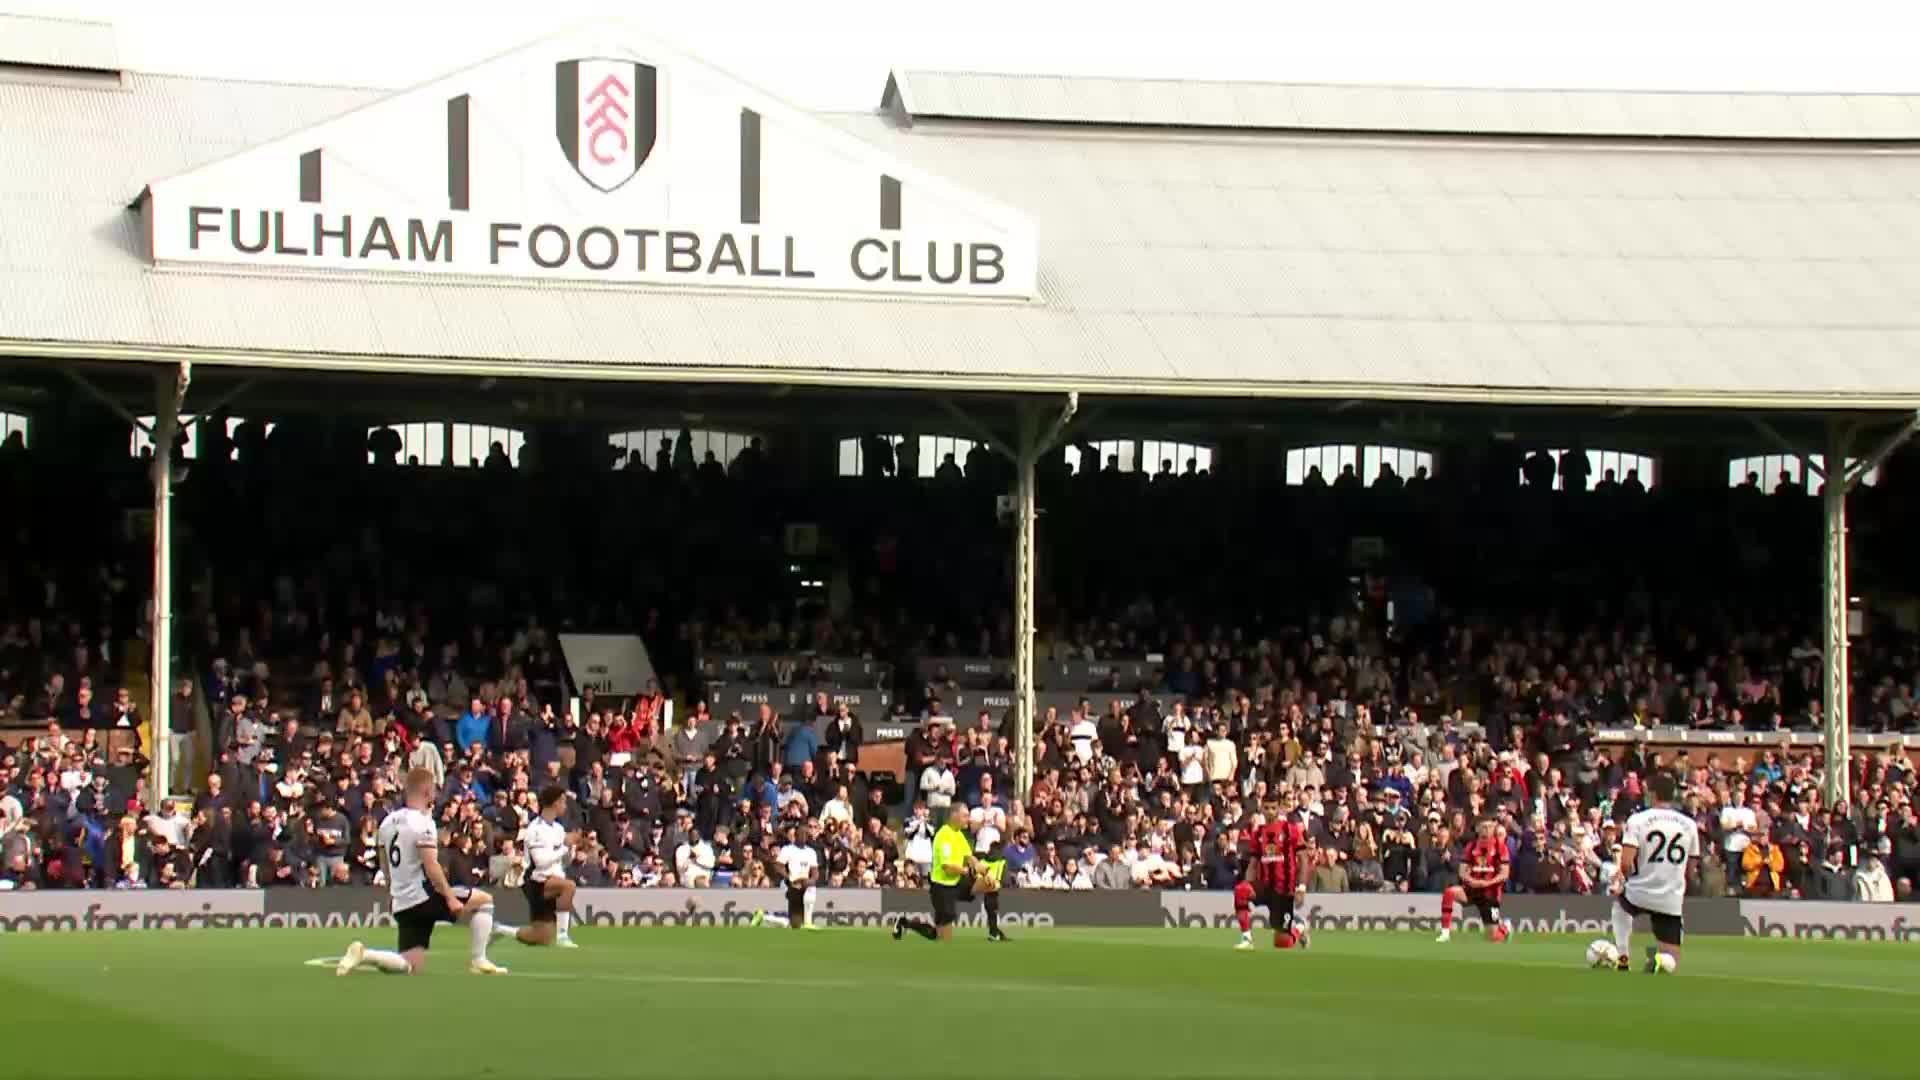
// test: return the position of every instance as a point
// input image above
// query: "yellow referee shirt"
(950, 848)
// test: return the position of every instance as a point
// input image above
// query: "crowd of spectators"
(1392, 749)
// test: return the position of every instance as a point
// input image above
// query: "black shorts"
(946, 902)
(416, 923)
(540, 906)
(796, 901)
(1279, 906)
(1667, 929)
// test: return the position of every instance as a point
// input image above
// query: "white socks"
(780, 921)
(501, 930)
(562, 920)
(806, 905)
(482, 932)
(392, 963)
(1622, 929)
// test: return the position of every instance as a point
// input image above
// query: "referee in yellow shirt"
(952, 874)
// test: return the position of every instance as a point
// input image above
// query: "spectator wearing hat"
(1871, 883)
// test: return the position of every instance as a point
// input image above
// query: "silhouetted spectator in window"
(1314, 479)
(663, 457)
(1539, 470)
(683, 453)
(876, 457)
(1348, 480)
(906, 458)
(1388, 480)
(979, 464)
(1089, 461)
(250, 439)
(1632, 484)
(711, 471)
(1752, 486)
(1166, 472)
(385, 445)
(497, 458)
(949, 471)
(1576, 471)
(1787, 485)
(1418, 482)
(215, 445)
(750, 462)
(1608, 485)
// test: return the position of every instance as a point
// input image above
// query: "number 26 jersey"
(1663, 840)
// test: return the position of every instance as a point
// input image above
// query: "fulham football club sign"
(605, 115)
(597, 155)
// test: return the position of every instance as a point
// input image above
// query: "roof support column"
(1033, 444)
(1842, 476)
(170, 395)
(1833, 612)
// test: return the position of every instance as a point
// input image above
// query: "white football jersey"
(546, 848)
(400, 838)
(799, 861)
(1663, 840)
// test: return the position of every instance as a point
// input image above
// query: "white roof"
(1199, 103)
(1195, 263)
(75, 44)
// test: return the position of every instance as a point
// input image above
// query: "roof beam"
(1857, 472)
(976, 429)
(112, 405)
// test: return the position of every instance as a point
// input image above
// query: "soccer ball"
(1602, 954)
(1663, 964)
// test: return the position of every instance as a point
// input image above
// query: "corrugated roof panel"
(1565, 289)
(179, 315)
(1192, 260)
(1278, 106)
(1882, 116)
(1265, 104)
(77, 44)
(1499, 356)
(405, 321)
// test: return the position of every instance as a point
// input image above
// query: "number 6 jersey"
(400, 838)
(1663, 839)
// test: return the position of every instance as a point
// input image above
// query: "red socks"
(1446, 910)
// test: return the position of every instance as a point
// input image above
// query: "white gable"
(599, 154)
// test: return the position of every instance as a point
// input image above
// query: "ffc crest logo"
(605, 114)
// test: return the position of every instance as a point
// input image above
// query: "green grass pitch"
(697, 1003)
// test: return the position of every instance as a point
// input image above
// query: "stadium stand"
(1204, 640)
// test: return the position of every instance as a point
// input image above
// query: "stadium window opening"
(1357, 465)
(1156, 457)
(684, 449)
(927, 457)
(1787, 474)
(1600, 471)
(140, 442)
(433, 444)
